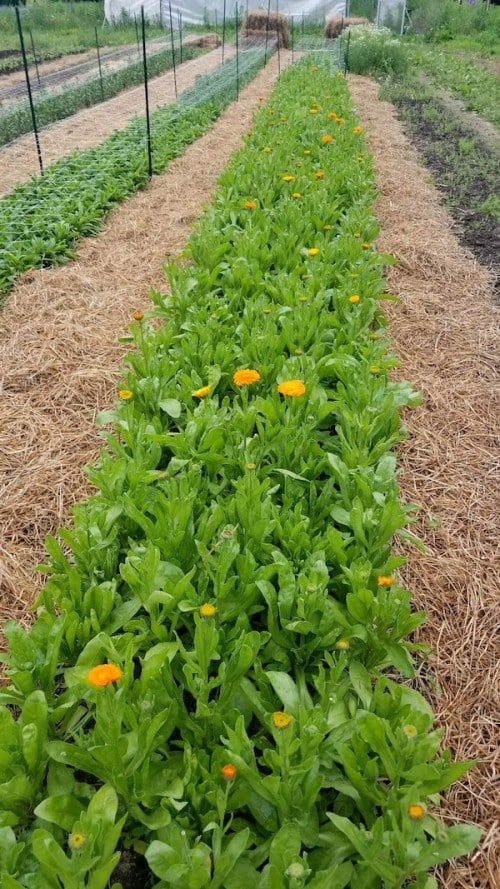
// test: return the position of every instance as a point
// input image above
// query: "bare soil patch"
(445, 330)
(88, 128)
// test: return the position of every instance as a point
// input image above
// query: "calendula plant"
(223, 647)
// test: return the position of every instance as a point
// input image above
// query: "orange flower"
(357, 130)
(327, 138)
(138, 316)
(103, 675)
(319, 174)
(229, 772)
(385, 581)
(313, 251)
(294, 388)
(125, 394)
(328, 97)
(200, 393)
(246, 377)
(339, 120)
(250, 205)
(416, 811)
(332, 115)
(354, 298)
(365, 245)
(281, 720)
(283, 119)
(288, 178)
(208, 610)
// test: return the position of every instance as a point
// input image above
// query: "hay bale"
(212, 40)
(259, 38)
(276, 23)
(337, 23)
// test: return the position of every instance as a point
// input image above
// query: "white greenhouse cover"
(198, 11)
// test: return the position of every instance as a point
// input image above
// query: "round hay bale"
(258, 20)
(334, 26)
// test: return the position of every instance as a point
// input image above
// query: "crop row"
(212, 684)
(42, 220)
(16, 120)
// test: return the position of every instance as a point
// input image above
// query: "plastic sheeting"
(198, 11)
(391, 14)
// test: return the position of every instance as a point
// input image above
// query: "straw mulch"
(259, 22)
(59, 354)
(445, 329)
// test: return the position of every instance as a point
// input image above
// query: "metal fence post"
(28, 85)
(146, 93)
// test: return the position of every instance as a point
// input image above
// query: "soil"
(467, 181)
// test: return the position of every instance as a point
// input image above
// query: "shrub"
(376, 52)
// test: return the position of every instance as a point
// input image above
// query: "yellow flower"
(327, 138)
(266, 310)
(296, 194)
(354, 298)
(359, 157)
(332, 115)
(283, 119)
(339, 120)
(251, 465)
(313, 110)
(125, 394)
(357, 130)
(342, 644)
(250, 205)
(307, 151)
(327, 227)
(200, 393)
(294, 388)
(319, 174)
(385, 581)
(328, 97)
(314, 67)
(365, 245)
(410, 731)
(266, 150)
(374, 369)
(303, 299)
(229, 772)
(246, 377)
(313, 251)
(340, 73)
(103, 675)
(374, 336)
(281, 720)
(357, 234)
(416, 811)
(288, 178)
(208, 610)
(299, 351)
(138, 316)
(76, 840)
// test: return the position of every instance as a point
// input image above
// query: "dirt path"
(445, 329)
(88, 128)
(59, 354)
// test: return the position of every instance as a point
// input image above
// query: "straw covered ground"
(59, 359)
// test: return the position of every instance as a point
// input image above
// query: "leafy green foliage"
(231, 579)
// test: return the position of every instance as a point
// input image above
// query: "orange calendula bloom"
(138, 316)
(296, 194)
(293, 388)
(246, 377)
(332, 115)
(283, 119)
(357, 130)
(385, 581)
(229, 772)
(103, 675)
(327, 138)
(281, 720)
(416, 811)
(328, 97)
(250, 205)
(200, 393)
(365, 245)
(288, 178)
(208, 610)
(354, 298)
(319, 174)
(313, 251)
(339, 120)
(125, 394)
(342, 644)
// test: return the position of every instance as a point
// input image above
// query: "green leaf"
(285, 688)
(172, 407)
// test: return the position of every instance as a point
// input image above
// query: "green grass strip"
(16, 120)
(214, 677)
(42, 220)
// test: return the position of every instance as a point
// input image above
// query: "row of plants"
(464, 165)
(476, 85)
(43, 219)
(218, 685)
(16, 120)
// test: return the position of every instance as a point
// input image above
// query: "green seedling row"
(220, 679)
(16, 120)
(42, 220)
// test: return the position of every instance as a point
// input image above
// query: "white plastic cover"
(199, 11)
(391, 14)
